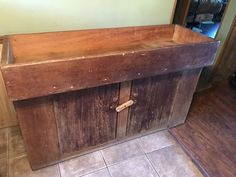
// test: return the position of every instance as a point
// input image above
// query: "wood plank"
(122, 119)
(209, 134)
(7, 112)
(183, 97)
(39, 130)
(80, 74)
(153, 97)
(86, 118)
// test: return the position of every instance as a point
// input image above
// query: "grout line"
(105, 163)
(59, 169)
(152, 165)
(192, 158)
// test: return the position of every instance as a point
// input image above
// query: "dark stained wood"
(122, 119)
(153, 97)
(183, 96)
(209, 134)
(39, 130)
(158, 55)
(86, 118)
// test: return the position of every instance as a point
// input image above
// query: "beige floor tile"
(101, 173)
(19, 167)
(135, 167)
(3, 167)
(122, 152)
(16, 143)
(82, 165)
(173, 162)
(156, 141)
(3, 143)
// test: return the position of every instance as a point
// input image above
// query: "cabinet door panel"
(85, 117)
(153, 97)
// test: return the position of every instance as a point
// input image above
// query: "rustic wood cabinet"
(79, 90)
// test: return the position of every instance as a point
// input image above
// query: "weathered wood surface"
(148, 52)
(153, 97)
(122, 118)
(38, 126)
(183, 96)
(86, 118)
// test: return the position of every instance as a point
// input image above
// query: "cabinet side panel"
(86, 118)
(153, 97)
(183, 97)
(38, 127)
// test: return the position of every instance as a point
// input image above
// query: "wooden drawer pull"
(124, 105)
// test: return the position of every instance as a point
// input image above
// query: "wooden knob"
(124, 105)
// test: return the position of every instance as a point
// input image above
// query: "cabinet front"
(153, 99)
(86, 118)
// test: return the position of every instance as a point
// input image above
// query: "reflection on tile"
(3, 143)
(19, 167)
(156, 141)
(3, 167)
(16, 144)
(135, 167)
(173, 162)
(82, 165)
(101, 173)
(122, 152)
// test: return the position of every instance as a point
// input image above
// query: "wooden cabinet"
(79, 90)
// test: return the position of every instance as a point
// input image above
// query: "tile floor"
(154, 155)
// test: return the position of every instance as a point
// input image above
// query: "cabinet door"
(87, 117)
(154, 97)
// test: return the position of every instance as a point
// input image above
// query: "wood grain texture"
(122, 119)
(80, 74)
(92, 60)
(153, 97)
(209, 134)
(39, 130)
(86, 118)
(183, 96)
(7, 112)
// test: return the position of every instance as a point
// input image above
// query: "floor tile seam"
(152, 165)
(105, 162)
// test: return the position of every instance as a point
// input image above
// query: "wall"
(28, 16)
